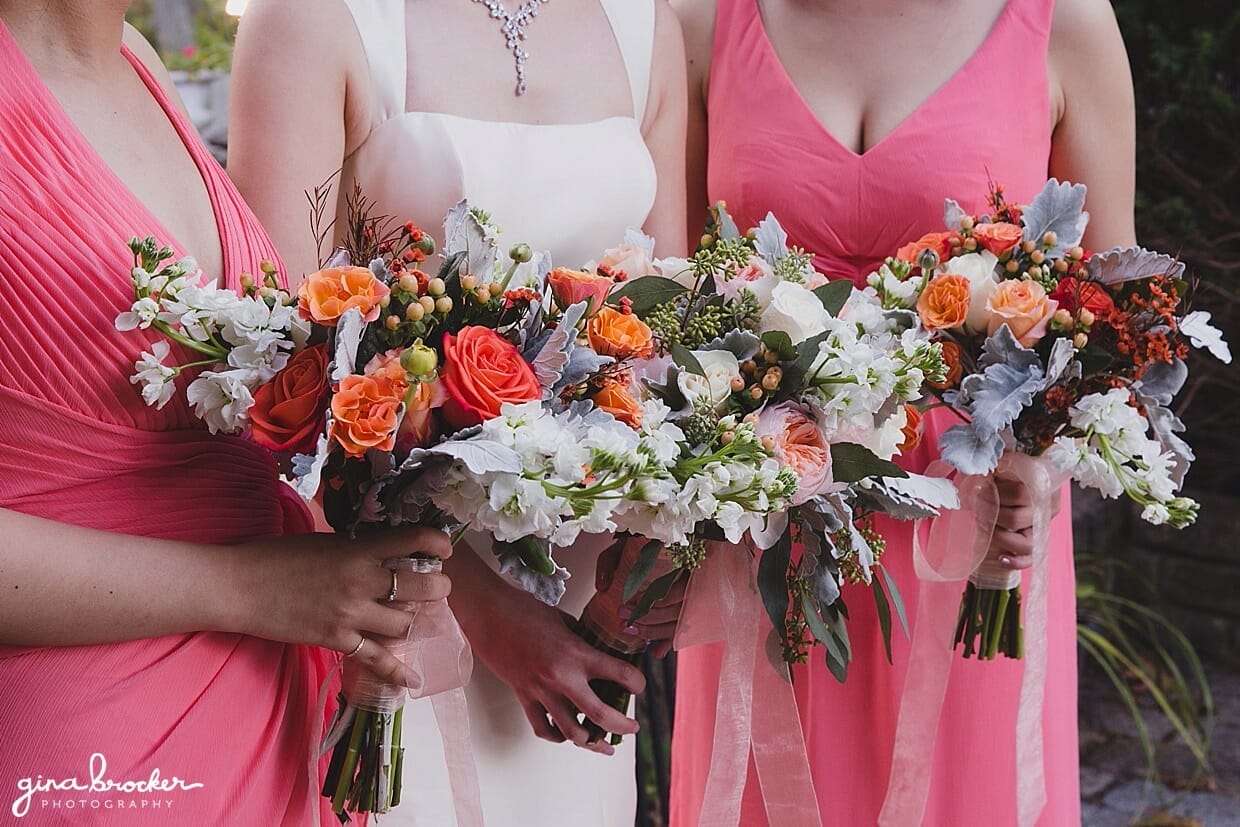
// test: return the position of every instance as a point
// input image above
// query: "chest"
(864, 68)
(137, 143)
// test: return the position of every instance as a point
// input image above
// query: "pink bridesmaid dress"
(231, 714)
(767, 151)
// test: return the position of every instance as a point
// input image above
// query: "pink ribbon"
(722, 603)
(958, 543)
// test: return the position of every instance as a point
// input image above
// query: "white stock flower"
(1156, 514)
(140, 315)
(979, 269)
(222, 399)
(520, 507)
(796, 311)
(719, 367)
(154, 376)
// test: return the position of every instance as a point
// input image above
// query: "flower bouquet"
(753, 350)
(1054, 353)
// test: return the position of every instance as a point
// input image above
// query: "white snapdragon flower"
(222, 399)
(155, 377)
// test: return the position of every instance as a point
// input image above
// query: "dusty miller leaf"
(969, 451)
(1121, 264)
(1058, 208)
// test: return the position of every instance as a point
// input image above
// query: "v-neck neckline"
(184, 130)
(906, 121)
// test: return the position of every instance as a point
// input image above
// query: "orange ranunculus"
(621, 335)
(365, 410)
(1074, 295)
(617, 401)
(288, 411)
(941, 243)
(326, 295)
(944, 303)
(951, 357)
(998, 237)
(1022, 305)
(572, 286)
(481, 371)
(911, 430)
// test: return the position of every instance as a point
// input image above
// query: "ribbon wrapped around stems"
(722, 604)
(957, 546)
(439, 663)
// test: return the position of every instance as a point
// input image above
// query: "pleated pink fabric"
(768, 151)
(232, 713)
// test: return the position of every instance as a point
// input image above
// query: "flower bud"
(1076, 253)
(521, 253)
(425, 245)
(247, 281)
(928, 260)
(707, 240)
(419, 360)
(771, 380)
(750, 418)
(771, 357)
(443, 304)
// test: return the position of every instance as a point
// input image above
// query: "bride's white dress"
(572, 189)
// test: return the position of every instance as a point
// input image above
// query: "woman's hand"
(1012, 541)
(532, 647)
(329, 591)
(657, 626)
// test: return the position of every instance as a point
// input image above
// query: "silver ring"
(395, 583)
(357, 648)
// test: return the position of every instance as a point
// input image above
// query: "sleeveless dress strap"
(632, 22)
(381, 26)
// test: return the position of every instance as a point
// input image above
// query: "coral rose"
(1024, 307)
(621, 335)
(481, 371)
(799, 445)
(952, 353)
(572, 286)
(366, 411)
(944, 303)
(288, 411)
(911, 429)
(941, 243)
(326, 295)
(1074, 295)
(998, 237)
(616, 399)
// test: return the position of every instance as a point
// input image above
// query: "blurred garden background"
(1159, 610)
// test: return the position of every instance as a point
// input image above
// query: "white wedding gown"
(572, 189)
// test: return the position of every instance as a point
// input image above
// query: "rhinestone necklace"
(513, 30)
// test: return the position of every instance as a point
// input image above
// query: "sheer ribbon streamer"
(722, 604)
(957, 545)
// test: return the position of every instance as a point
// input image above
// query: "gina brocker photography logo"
(99, 792)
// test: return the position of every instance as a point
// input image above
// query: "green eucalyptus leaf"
(852, 463)
(834, 295)
(773, 581)
(646, 558)
(647, 292)
(684, 357)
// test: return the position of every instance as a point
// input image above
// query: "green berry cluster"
(688, 556)
(701, 425)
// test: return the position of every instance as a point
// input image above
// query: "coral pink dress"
(769, 152)
(232, 714)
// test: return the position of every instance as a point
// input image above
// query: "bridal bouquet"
(1052, 352)
(752, 346)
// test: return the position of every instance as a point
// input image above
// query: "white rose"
(979, 269)
(796, 311)
(719, 367)
(679, 270)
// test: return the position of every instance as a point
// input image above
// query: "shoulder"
(285, 25)
(146, 54)
(668, 34)
(1087, 59)
(697, 21)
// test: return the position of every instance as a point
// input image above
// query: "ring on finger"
(395, 584)
(358, 647)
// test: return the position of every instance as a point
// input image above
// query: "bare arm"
(697, 19)
(663, 128)
(64, 585)
(1094, 142)
(298, 107)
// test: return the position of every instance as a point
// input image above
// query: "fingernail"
(630, 630)
(1006, 561)
(625, 612)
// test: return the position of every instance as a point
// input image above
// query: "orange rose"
(621, 335)
(327, 294)
(1024, 307)
(481, 371)
(951, 357)
(572, 286)
(365, 410)
(998, 237)
(941, 243)
(617, 401)
(911, 430)
(288, 411)
(944, 303)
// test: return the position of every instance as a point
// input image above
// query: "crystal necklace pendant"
(513, 29)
